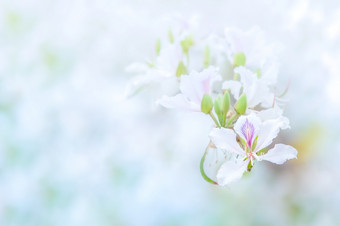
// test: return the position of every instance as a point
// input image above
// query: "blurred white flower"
(250, 43)
(254, 136)
(192, 87)
(256, 90)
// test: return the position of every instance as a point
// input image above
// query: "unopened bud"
(187, 43)
(226, 102)
(220, 108)
(241, 104)
(258, 73)
(206, 104)
(158, 47)
(206, 57)
(239, 59)
(171, 36)
(181, 69)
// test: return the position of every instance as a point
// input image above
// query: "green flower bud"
(226, 103)
(258, 73)
(218, 105)
(171, 36)
(206, 104)
(187, 43)
(181, 69)
(206, 56)
(241, 104)
(220, 109)
(158, 47)
(239, 59)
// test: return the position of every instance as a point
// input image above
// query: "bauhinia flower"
(192, 87)
(184, 69)
(256, 90)
(248, 142)
(248, 48)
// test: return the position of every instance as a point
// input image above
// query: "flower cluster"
(232, 79)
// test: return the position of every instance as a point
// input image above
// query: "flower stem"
(231, 120)
(214, 118)
(205, 177)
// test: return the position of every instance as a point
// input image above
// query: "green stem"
(214, 118)
(231, 120)
(205, 177)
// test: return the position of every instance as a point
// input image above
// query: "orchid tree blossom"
(192, 87)
(254, 136)
(256, 90)
(252, 44)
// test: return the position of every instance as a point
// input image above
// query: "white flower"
(163, 69)
(252, 44)
(254, 135)
(192, 87)
(256, 90)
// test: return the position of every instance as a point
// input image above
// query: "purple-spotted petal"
(247, 128)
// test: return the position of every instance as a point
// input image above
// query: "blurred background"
(74, 151)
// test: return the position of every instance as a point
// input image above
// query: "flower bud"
(239, 59)
(158, 47)
(258, 73)
(241, 104)
(186, 44)
(218, 105)
(171, 36)
(206, 56)
(206, 104)
(226, 103)
(220, 108)
(181, 69)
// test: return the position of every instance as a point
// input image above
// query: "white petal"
(180, 102)
(255, 89)
(231, 171)
(234, 87)
(279, 154)
(213, 161)
(274, 113)
(195, 85)
(225, 139)
(254, 120)
(268, 131)
(140, 82)
(269, 73)
(137, 68)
